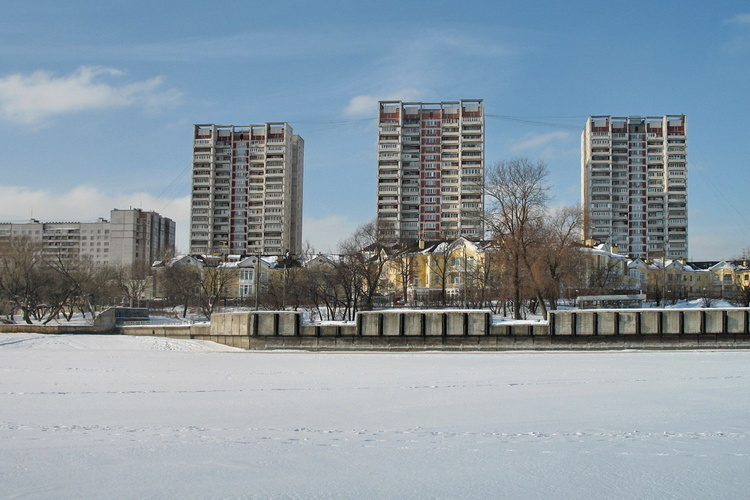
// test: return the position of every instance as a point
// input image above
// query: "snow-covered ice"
(128, 417)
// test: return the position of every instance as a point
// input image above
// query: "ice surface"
(128, 417)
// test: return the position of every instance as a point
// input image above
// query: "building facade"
(130, 237)
(139, 236)
(247, 190)
(430, 170)
(634, 184)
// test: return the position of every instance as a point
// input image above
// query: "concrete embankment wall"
(472, 330)
(104, 323)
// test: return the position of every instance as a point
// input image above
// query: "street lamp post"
(286, 275)
(257, 279)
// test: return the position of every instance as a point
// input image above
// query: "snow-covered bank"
(127, 417)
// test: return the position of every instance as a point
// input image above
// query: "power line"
(519, 119)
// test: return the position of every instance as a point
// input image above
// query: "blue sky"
(97, 99)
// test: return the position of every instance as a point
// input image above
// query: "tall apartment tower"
(634, 184)
(247, 190)
(431, 170)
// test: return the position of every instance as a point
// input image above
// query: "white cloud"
(87, 204)
(739, 19)
(367, 105)
(31, 98)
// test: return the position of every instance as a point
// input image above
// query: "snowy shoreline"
(133, 417)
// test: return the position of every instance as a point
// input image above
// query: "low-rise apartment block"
(130, 237)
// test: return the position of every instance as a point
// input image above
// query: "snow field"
(133, 417)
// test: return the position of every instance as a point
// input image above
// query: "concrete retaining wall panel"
(540, 330)
(328, 330)
(266, 324)
(521, 330)
(433, 343)
(370, 322)
(650, 322)
(348, 329)
(563, 323)
(585, 323)
(392, 323)
(413, 324)
(714, 321)
(310, 343)
(523, 342)
(309, 330)
(692, 323)
(433, 324)
(200, 329)
(487, 342)
(606, 323)
(542, 341)
(736, 321)
(499, 329)
(627, 322)
(670, 322)
(217, 323)
(288, 323)
(455, 324)
(477, 323)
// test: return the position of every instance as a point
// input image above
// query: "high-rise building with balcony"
(634, 184)
(431, 170)
(247, 190)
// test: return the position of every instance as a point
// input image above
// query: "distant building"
(131, 237)
(634, 184)
(430, 170)
(247, 190)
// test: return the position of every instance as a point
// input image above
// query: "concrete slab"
(606, 323)
(627, 322)
(670, 322)
(650, 322)
(433, 324)
(563, 323)
(392, 323)
(714, 320)
(370, 323)
(413, 324)
(585, 322)
(288, 323)
(455, 323)
(736, 321)
(477, 323)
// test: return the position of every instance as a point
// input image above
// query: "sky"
(98, 99)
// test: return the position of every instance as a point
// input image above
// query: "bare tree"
(80, 284)
(605, 276)
(403, 262)
(23, 276)
(132, 281)
(559, 260)
(517, 195)
(441, 267)
(181, 284)
(213, 286)
(741, 292)
(365, 255)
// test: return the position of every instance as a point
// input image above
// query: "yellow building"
(437, 271)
